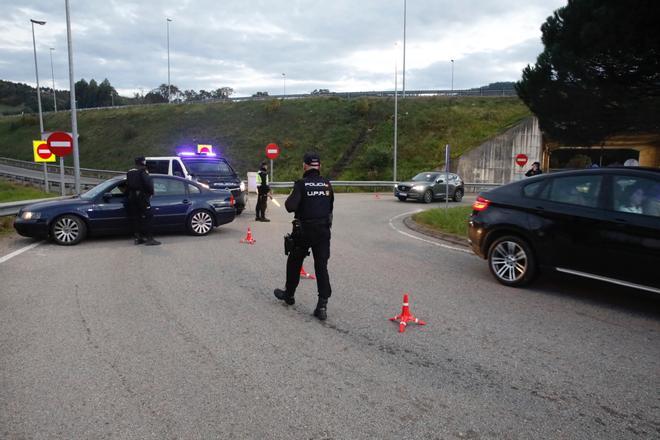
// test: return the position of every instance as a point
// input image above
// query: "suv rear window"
(158, 166)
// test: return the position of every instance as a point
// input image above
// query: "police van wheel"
(200, 222)
(68, 230)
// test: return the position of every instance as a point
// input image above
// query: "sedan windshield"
(101, 188)
(425, 177)
(215, 167)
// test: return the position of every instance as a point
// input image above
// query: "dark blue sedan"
(178, 204)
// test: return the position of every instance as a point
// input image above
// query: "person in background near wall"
(263, 192)
(536, 170)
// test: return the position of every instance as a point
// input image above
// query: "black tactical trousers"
(262, 203)
(140, 214)
(316, 237)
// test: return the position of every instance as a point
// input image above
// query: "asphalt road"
(111, 340)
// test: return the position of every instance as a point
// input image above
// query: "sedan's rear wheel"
(511, 261)
(68, 230)
(428, 196)
(200, 222)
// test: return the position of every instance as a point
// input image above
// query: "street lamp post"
(284, 84)
(403, 95)
(169, 84)
(41, 117)
(452, 76)
(52, 72)
(396, 110)
(72, 96)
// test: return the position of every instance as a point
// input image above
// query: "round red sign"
(60, 143)
(43, 151)
(521, 160)
(272, 151)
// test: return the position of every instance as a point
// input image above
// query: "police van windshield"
(215, 167)
(425, 177)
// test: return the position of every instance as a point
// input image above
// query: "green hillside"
(354, 136)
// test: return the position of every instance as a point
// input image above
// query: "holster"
(293, 240)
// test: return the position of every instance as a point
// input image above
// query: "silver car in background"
(429, 186)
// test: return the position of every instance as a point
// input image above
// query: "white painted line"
(423, 239)
(19, 252)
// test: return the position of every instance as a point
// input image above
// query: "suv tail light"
(480, 204)
(232, 201)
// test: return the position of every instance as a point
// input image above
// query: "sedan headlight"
(242, 186)
(29, 215)
(418, 188)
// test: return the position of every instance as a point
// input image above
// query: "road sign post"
(447, 148)
(272, 151)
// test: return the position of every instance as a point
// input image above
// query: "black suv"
(602, 224)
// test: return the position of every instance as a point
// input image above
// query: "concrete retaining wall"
(494, 160)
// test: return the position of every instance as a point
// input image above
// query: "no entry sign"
(41, 152)
(60, 143)
(272, 151)
(521, 160)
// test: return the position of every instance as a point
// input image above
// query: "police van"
(206, 168)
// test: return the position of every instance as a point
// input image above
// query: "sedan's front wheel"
(200, 222)
(511, 261)
(68, 230)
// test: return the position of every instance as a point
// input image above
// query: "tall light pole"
(52, 72)
(169, 84)
(404, 49)
(452, 76)
(41, 116)
(396, 108)
(72, 95)
(284, 80)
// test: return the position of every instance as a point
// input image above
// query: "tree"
(260, 94)
(599, 74)
(81, 88)
(223, 93)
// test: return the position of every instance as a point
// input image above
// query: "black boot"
(264, 219)
(138, 239)
(151, 242)
(321, 311)
(284, 296)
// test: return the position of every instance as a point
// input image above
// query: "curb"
(422, 229)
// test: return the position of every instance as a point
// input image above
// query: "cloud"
(342, 45)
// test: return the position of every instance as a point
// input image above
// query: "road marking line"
(18, 252)
(423, 239)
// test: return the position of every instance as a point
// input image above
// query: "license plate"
(402, 194)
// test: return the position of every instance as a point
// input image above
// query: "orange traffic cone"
(405, 317)
(248, 238)
(304, 274)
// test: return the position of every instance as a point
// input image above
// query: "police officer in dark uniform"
(312, 200)
(140, 189)
(263, 191)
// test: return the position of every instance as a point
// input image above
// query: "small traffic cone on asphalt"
(248, 238)
(405, 317)
(304, 274)
(377, 196)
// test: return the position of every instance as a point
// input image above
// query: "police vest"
(316, 201)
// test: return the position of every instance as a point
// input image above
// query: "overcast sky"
(340, 45)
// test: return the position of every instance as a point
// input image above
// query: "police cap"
(312, 159)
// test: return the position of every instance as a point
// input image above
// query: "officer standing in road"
(312, 201)
(263, 192)
(140, 189)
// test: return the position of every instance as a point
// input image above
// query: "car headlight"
(242, 186)
(29, 215)
(418, 188)
(395, 185)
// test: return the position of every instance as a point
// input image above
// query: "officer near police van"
(263, 192)
(312, 201)
(140, 188)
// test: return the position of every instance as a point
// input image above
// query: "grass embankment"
(10, 192)
(111, 138)
(452, 220)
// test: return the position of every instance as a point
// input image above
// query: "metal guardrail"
(55, 169)
(12, 208)
(469, 187)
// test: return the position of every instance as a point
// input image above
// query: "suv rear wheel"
(458, 195)
(511, 261)
(428, 196)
